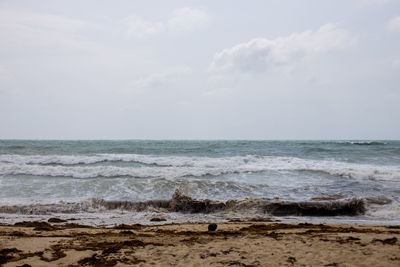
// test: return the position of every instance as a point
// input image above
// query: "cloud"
(394, 24)
(261, 54)
(182, 20)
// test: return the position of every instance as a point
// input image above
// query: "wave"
(346, 143)
(136, 158)
(176, 167)
(360, 143)
(185, 204)
(112, 171)
(367, 143)
(342, 142)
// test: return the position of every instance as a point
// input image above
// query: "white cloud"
(261, 54)
(394, 24)
(182, 20)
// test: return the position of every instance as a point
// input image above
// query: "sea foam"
(176, 167)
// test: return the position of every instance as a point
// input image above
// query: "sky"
(268, 69)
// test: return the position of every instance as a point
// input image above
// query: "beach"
(248, 243)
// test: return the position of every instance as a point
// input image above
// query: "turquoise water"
(47, 172)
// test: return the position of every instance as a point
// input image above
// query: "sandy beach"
(249, 243)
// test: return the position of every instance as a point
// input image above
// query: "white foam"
(112, 171)
(184, 166)
(388, 211)
(173, 161)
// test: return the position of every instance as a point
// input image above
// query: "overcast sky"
(277, 69)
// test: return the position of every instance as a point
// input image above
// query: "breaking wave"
(185, 204)
(358, 143)
(172, 161)
(367, 143)
(112, 171)
(175, 167)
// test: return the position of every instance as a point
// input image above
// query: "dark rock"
(212, 227)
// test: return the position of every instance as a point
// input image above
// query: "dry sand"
(233, 244)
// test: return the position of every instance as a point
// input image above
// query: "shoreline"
(244, 243)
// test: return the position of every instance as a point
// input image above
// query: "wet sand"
(191, 244)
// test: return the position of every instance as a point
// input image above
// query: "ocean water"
(99, 182)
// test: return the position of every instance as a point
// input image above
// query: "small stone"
(212, 227)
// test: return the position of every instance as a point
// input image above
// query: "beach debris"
(387, 241)
(158, 219)
(291, 260)
(334, 264)
(260, 219)
(56, 220)
(76, 225)
(38, 226)
(212, 227)
(17, 233)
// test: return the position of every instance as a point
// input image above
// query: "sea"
(105, 183)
